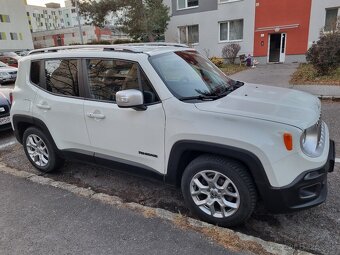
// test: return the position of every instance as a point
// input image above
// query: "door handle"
(95, 115)
(44, 106)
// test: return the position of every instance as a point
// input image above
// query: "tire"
(219, 190)
(41, 151)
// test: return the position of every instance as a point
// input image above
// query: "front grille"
(12, 72)
(4, 110)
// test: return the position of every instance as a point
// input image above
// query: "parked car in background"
(10, 58)
(7, 73)
(5, 107)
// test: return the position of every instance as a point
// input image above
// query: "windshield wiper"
(199, 97)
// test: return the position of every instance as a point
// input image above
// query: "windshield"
(187, 74)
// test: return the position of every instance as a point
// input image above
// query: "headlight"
(313, 140)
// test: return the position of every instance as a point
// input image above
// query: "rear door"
(59, 103)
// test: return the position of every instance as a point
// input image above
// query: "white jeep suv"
(164, 110)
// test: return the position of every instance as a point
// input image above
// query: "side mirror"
(130, 98)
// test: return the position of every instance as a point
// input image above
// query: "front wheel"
(40, 151)
(219, 190)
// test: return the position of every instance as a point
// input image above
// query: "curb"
(227, 238)
(332, 98)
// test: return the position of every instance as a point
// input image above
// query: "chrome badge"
(2, 109)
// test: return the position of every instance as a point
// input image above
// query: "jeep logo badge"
(2, 109)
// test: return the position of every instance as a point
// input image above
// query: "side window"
(35, 72)
(62, 77)
(107, 77)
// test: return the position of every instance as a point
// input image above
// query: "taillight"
(11, 97)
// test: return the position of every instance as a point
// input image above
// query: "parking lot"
(316, 230)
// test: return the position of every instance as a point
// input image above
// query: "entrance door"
(277, 48)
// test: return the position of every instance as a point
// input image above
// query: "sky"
(43, 2)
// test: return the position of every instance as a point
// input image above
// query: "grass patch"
(230, 69)
(306, 74)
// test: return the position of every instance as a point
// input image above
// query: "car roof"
(146, 48)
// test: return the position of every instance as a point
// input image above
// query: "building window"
(84, 33)
(189, 34)
(14, 36)
(331, 19)
(28, 14)
(5, 18)
(68, 23)
(66, 15)
(231, 30)
(73, 10)
(21, 36)
(3, 36)
(184, 4)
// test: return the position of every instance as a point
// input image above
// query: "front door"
(123, 135)
(277, 48)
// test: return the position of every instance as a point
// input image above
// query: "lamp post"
(78, 19)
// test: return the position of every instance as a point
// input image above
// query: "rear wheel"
(40, 151)
(219, 190)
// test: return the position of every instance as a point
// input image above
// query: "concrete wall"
(208, 22)
(318, 17)
(18, 24)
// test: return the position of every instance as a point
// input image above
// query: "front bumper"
(307, 190)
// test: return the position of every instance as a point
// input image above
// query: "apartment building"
(67, 36)
(209, 25)
(272, 31)
(14, 30)
(51, 17)
(282, 37)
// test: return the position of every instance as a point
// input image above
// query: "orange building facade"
(281, 30)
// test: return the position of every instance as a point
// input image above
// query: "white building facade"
(210, 25)
(325, 15)
(14, 30)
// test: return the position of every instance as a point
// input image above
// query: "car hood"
(268, 103)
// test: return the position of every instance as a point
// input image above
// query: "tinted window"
(62, 77)
(35, 72)
(107, 77)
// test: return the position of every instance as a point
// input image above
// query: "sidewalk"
(38, 219)
(279, 75)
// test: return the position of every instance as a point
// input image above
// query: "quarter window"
(189, 34)
(183, 4)
(62, 77)
(231, 30)
(107, 77)
(35, 72)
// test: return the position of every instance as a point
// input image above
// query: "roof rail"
(75, 47)
(115, 47)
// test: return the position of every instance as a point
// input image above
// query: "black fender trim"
(22, 122)
(251, 161)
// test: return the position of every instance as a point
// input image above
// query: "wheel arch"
(185, 151)
(22, 122)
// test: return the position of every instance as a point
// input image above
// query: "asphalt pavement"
(37, 219)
